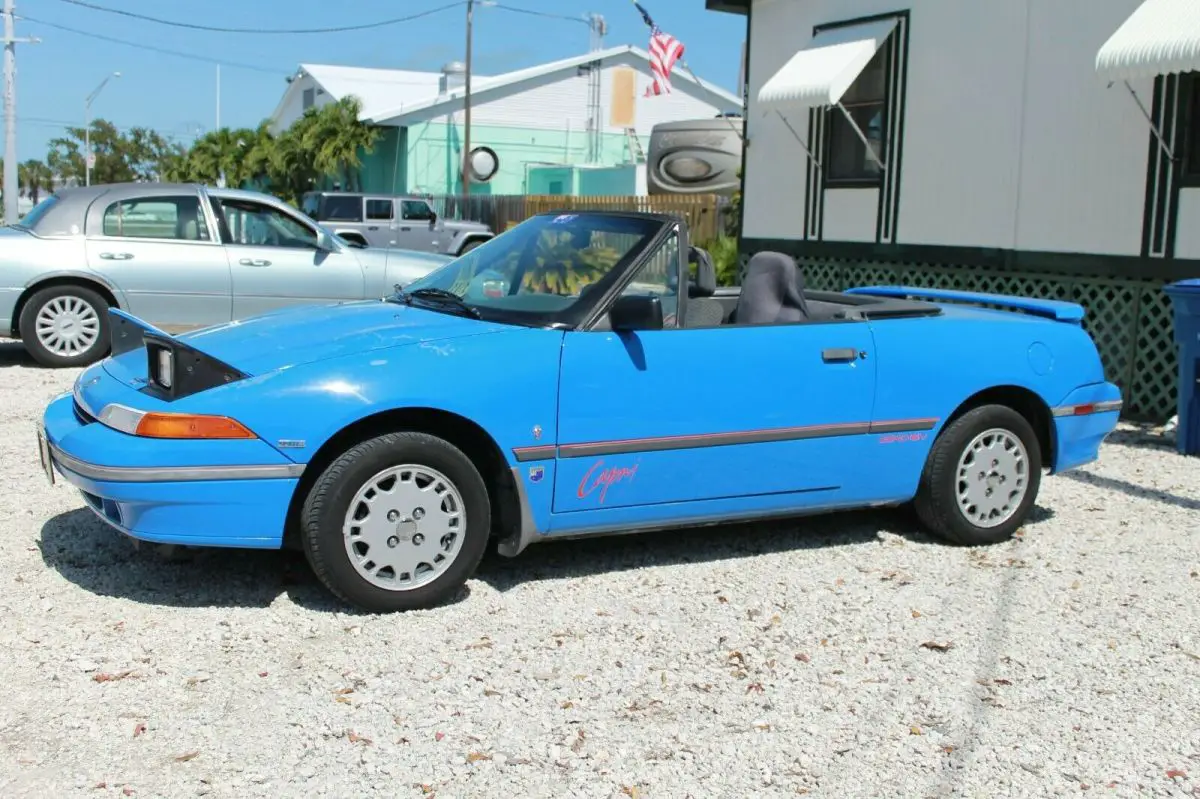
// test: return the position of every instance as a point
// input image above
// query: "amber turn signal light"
(184, 425)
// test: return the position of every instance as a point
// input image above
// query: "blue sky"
(177, 96)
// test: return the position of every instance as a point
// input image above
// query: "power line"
(152, 48)
(193, 26)
(531, 12)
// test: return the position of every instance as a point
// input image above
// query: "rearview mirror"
(636, 312)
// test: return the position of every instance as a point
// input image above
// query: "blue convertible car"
(580, 374)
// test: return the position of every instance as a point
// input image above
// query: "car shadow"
(1141, 436)
(102, 561)
(13, 353)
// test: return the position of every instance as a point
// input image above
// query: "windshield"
(539, 271)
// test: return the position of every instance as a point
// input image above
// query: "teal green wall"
(614, 181)
(433, 154)
(383, 168)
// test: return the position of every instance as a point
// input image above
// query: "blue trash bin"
(1185, 298)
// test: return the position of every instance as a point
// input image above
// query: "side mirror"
(432, 219)
(325, 242)
(636, 312)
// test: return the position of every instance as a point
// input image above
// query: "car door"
(418, 227)
(379, 215)
(691, 420)
(275, 261)
(160, 249)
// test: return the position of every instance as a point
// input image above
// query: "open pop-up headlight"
(174, 370)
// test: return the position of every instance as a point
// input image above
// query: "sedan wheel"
(397, 522)
(65, 326)
(981, 478)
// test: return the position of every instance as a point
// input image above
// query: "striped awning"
(827, 66)
(1159, 38)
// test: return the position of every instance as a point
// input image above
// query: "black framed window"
(1191, 128)
(846, 160)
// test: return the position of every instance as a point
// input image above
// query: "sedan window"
(175, 218)
(416, 210)
(255, 224)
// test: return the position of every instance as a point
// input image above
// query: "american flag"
(665, 50)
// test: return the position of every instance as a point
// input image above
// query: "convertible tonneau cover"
(1051, 309)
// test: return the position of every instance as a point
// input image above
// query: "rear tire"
(66, 325)
(470, 245)
(982, 477)
(398, 522)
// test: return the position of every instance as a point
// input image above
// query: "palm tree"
(35, 177)
(337, 138)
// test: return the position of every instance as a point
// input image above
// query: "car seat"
(772, 291)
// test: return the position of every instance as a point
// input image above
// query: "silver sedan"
(179, 256)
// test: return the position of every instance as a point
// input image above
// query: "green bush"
(724, 252)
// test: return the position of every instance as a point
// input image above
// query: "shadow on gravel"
(12, 353)
(1132, 489)
(554, 560)
(1142, 436)
(101, 560)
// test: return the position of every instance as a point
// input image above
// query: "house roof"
(379, 89)
(390, 93)
(482, 86)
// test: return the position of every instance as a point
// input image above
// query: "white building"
(1009, 151)
(584, 119)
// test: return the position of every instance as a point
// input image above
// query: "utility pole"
(87, 129)
(11, 189)
(466, 159)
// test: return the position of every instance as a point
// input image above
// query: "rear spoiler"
(1050, 309)
(188, 370)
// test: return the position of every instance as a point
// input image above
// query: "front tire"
(470, 245)
(64, 326)
(982, 477)
(398, 522)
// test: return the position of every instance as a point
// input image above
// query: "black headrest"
(705, 282)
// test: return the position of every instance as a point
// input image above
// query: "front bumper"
(1081, 423)
(235, 494)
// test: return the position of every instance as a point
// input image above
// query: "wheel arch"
(468, 237)
(1025, 402)
(84, 281)
(475, 442)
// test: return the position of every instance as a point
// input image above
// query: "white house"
(1022, 146)
(584, 119)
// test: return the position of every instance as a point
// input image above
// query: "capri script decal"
(601, 478)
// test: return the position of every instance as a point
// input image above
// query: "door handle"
(254, 262)
(406, 227)
(839, 354)
(373, 227)
(116, 256)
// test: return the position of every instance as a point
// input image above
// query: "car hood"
(306, 334)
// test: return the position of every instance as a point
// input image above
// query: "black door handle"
(406, 228)
(373, 227)
(839, 354)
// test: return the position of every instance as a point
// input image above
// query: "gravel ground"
(845, 656)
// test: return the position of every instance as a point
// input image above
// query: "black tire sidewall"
(939, 505)
(27, 326)
(329, 499)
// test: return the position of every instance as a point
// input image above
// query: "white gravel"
(768, 661)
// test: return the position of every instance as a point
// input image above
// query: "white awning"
(1159, 38)
(821, 73)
